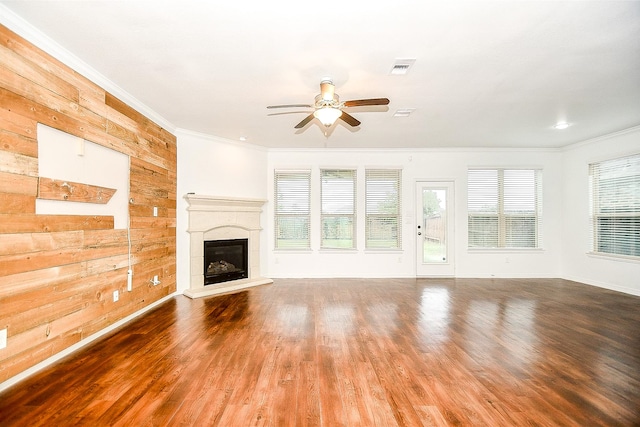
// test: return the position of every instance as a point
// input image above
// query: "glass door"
(434, 228)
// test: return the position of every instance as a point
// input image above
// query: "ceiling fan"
(328, 108)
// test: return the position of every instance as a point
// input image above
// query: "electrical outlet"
(155, 211)
(116, 296)
(3, 338)
(155, 280)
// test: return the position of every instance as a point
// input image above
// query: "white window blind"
(615, 206)
(292, 191)
(338, 208)
(505, 208)
(382, 204)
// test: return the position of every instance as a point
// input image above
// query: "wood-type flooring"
(356, 352)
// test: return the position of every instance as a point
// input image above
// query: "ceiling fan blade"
(287, 112)
(349, 119)
(291, 106)
(304, 122)
(372, 101)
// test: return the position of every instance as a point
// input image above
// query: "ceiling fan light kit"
(328, 108)
(327, 115)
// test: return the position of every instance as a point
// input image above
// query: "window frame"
(624, 217)
(294, 214)
(503, 232)
(393, 219)
(338, 198)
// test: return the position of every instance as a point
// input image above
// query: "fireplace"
(229, 220)
(225, 260)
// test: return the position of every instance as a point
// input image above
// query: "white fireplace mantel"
(215, 218)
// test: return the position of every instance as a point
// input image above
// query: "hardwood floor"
(356, 352)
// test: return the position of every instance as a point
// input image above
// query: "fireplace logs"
(220, 267)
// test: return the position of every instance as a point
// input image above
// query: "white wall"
(212, 166)
(66, 157)
(578, 264)
(421, 165)
(215, 167)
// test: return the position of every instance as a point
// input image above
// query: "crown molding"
(421, 150)
(601, 138)
(24, 29)
(208, 137)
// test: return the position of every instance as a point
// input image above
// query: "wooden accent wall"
(58, 272)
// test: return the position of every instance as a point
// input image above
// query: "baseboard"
(604, 285)
(51, 360)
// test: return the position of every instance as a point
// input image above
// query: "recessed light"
(561, 125)
(402, 66)
(243, 138)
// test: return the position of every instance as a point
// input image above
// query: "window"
(504, 207)
(292, 209)
(382, 204)
(338, 204)
(615, 206)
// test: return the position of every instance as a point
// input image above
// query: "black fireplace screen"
(225, 260)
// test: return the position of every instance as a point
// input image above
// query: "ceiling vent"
(401, 67)
(403, 112)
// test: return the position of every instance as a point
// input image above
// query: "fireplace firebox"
(225, 260)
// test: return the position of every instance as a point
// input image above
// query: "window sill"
(613, 257)
(383, 251)
(339, 250)
(504, 250)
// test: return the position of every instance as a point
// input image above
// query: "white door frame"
(446, 268)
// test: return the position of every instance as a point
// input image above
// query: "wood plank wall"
(58, 272)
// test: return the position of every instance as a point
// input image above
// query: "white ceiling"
(487, 73)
